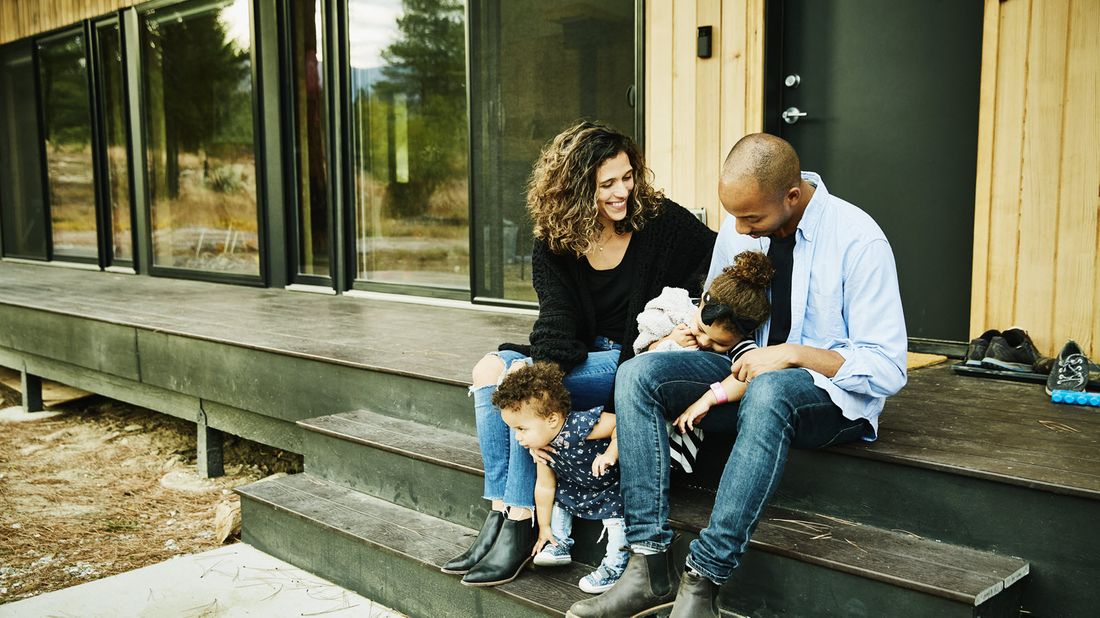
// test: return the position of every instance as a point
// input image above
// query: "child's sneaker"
(553, 555)
(600, 580)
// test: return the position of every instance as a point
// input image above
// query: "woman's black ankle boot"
(508, 556)
(459, 565)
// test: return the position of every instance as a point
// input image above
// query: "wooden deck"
(997, 430)
(976, 463)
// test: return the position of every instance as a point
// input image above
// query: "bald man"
(833, 350)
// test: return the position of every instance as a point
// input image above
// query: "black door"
(890, 96)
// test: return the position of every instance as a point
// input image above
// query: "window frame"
(259, 146)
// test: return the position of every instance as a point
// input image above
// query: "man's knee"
(487, 370)
(774, 385)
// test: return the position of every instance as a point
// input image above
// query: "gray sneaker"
(1012, 351)
(1070, 371)
(975, 352)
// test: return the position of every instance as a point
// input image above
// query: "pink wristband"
(719, 393)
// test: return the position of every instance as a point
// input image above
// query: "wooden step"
(389, 553)
(880, 557)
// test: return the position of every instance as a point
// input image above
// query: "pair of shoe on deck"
(1013, 350)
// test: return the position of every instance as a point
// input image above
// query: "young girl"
(724, 322)
(582, 478)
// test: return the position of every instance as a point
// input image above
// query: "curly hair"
(744, 288)
(561, 194)
(540, 383)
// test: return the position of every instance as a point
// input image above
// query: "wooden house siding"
(1036, 224)
(696, 108)
(23, 18)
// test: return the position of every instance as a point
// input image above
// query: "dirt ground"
(106, 487)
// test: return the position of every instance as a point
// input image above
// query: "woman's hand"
(694, 413)
(603, 462)
(545, 536)
(683, 337)
(543, 454)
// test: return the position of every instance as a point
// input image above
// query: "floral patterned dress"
(579, 492)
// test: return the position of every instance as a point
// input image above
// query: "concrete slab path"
(232, 581)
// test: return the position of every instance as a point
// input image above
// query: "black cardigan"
(673, 249)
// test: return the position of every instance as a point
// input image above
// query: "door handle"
(792, 114)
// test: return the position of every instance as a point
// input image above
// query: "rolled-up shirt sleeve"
(875, 350)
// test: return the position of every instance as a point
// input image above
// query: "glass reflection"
(520, 109)
(22, 208)
(409, 141)
(200, 155)
(118, 174)
(309, 114)
(63, 82)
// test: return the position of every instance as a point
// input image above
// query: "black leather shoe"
(696, 598)
(462, 563)
(648, 585)
(508, 556)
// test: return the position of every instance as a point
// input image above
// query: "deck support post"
(32, 391)
(211, 461)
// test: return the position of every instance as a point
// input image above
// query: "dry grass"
(107, 488)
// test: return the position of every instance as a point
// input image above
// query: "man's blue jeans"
(509, 469)
(779, 409)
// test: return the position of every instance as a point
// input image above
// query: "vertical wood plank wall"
(1037, 200)
(696, 108)
(22, 18)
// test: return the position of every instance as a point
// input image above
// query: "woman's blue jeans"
(509, 469)
(780, 409)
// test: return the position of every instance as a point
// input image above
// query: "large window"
(66, 112)
(116, 161)
(22, 207)
(200, 155)
(536, 68)
(409, 142)
(310, 181)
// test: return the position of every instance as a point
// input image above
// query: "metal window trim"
(291, 150)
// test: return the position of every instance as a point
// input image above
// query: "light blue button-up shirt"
(844, 297)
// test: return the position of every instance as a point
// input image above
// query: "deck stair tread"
(897, 557)
(1024, 440)
(422, 538)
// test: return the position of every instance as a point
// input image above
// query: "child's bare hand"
(602, 463)
(545, 536)
(543, 454)
(694, 413)
(683, 337)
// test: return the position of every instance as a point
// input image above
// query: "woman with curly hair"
(606, 242)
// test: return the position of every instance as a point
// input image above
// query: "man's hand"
(545, 536)
(603, 462)
(694, 413)
(763, 360)
(543, 454)
(784, 355)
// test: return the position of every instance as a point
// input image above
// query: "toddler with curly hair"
(582, 476)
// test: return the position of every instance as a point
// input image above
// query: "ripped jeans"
(509, 469)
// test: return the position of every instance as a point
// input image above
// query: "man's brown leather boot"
(696, 598)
